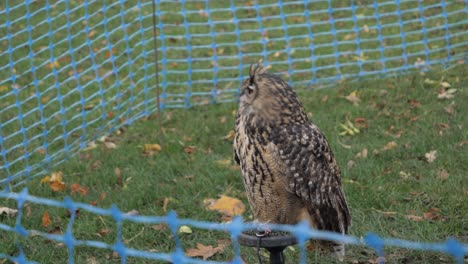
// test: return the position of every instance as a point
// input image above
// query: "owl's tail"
(336, 249)
(339, 251)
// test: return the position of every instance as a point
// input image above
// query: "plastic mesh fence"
(71, 71)
(234, 228)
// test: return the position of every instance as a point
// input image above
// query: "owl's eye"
(250, 89)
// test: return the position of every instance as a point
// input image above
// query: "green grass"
(397, 180)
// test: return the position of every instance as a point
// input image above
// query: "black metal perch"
(274, 242)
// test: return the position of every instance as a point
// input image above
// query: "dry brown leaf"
(165, 203)
(159, 227)
(442, 174)
(415, 218)
(55, 182)
(230, 136)
(133, 212)
(431, 156)
(8, 211)
(103, 232)
(413, 103)
(110, 145)
(389, 145)
(226, 205)
(204, 251)
(450, 109)
(387, 213)
(362, 154)
(46, 219)
(433, 214)
(189, 149)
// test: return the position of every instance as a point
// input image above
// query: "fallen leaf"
(8, 211)
(159, 227)
(226, 205)
(433, 214)
(362, 154)
(91, 145)
(387, 213)
(445, 84)
(324, 99)
(348, 129)
(350, 164)
(55, 181)
(360, 122)
(165, 203)
(185, 229)
(414, 218)
(353, 98)
(189, 149)
(76, 188)
(204, 251)
(365, 28)
(442, 174)
(431, 156)
(118, 176)
(46, 179)
(413, 103)
(150, 149)
(132, 212)
(46, 219)
(95, 165)
(389, 145)
(450, 109)
(230, 136)
(110, 145)
(405, 175)
(447, 94)
(103, 232)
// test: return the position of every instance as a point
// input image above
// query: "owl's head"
(265, 96)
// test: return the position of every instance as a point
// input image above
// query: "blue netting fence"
(71, 71)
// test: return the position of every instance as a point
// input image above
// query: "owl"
(288, 169)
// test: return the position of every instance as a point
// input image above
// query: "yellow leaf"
(46, 179)
(151, 147)
(185, 229)
(3, 88)
(353, 98)
(226, 205)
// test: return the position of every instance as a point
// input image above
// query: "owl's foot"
(263, 233)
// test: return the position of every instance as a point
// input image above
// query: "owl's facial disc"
(248, 94)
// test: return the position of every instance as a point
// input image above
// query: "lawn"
(404, 172)
(395, 191)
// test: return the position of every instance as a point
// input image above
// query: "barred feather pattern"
(289, 171)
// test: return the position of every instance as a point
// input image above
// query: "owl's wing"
(312, 173)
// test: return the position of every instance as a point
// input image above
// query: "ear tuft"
(259, 69)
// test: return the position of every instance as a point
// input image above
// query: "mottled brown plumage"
(288, 168)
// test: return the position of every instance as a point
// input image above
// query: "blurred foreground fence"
(71, 71)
